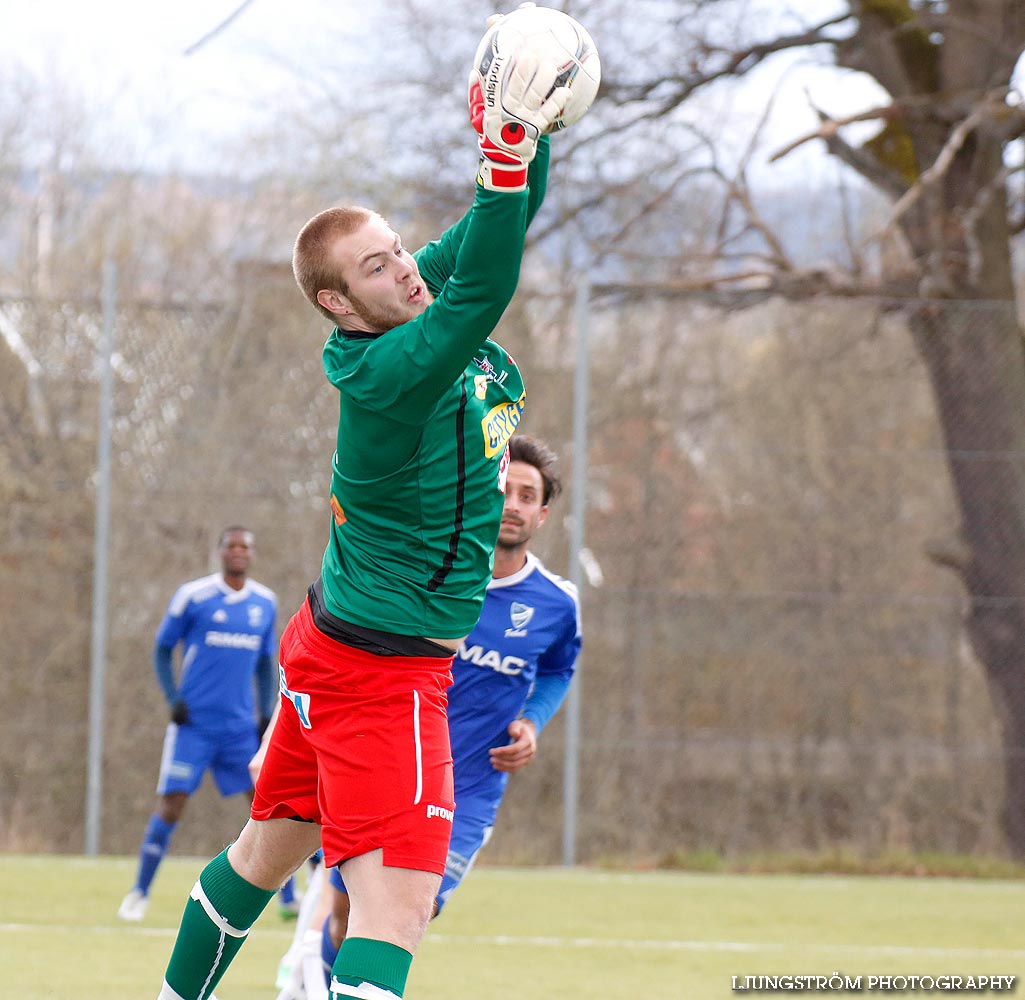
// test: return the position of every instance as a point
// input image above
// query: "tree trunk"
(976, 362)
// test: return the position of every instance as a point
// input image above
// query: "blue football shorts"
(189, 751)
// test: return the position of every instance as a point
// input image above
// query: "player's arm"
(266, 689)
(422, 358)
(402, 375)
(537, 178)
(256, 761)
(171, 631)
(437, 260)
(546, 696)
(555, 670)
(163, 667)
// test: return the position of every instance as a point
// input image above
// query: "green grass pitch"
(536, 934)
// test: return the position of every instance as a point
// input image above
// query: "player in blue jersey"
(511, 674)
(225, 626)
(513, 671)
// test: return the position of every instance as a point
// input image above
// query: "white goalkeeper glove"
(512, 104)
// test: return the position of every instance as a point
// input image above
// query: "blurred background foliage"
(806, 424)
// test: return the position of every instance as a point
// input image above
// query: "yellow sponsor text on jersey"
(498, 425)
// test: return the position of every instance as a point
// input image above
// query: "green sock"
(363, 961)
(206, 944)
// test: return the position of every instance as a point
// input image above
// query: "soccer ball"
(549, 34)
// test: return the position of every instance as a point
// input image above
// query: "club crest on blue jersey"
(520, 615)
(255, 615)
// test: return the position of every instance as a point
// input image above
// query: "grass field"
(534, 934)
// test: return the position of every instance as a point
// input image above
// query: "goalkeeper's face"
(383, 284)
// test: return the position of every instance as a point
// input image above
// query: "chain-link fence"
(775, 657)
(776, 661)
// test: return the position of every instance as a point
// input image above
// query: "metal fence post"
(578, 508)
(98, 652)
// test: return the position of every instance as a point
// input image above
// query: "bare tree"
(946, 152)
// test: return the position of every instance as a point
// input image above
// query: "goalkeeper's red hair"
(313, 264)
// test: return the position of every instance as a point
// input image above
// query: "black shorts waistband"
(370, 640)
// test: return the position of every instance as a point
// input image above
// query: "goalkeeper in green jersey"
(360, 761)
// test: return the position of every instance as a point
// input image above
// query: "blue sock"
(286, 894)
(154, 847)
(328, 952)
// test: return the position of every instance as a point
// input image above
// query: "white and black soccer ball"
(549, 34)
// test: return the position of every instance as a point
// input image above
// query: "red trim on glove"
(509, 178)
(498, 177)
(496, 153)
(476, 101)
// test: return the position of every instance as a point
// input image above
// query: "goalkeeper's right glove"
(511, 107)
(180, 713)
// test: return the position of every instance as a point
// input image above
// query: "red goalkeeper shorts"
(361, 746)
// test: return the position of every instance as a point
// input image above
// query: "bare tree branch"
(214, 32)
(736, 63)
(866, 165)
(740, 190)
(988, 109)
(846, 212)
(830, 127)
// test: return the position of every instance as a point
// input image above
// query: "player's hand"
(521, 102)
(511, 106)
(180, 714)
(498, 169)
(475, 94)
(256, 762)
(520, 751)
(515, 102)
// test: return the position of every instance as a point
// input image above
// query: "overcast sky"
(129, 58)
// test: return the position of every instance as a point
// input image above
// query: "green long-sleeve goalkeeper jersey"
(426, 411)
